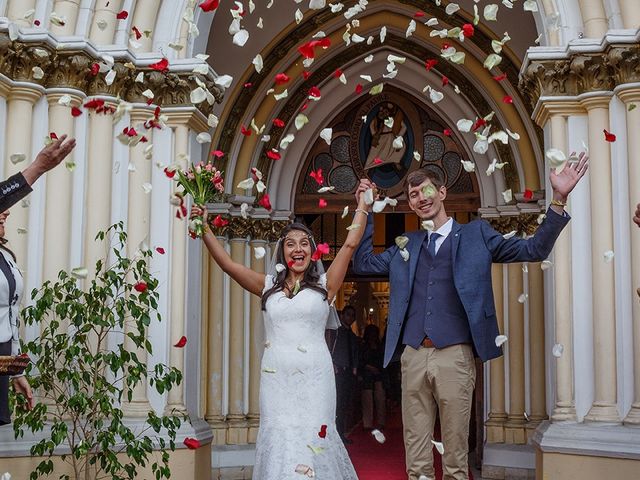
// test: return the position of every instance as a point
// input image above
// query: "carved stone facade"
(581, 73)
(254, 228)
(72, 69)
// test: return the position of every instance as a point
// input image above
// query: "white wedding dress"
(298, 393)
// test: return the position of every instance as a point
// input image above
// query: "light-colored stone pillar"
(67, 9)
(215, 349)
(594, 18)
(237, 433)
(144, 18)
(514, 430)
(175, 397)
(20, 101)
(138, 220)
(256, 345)
(630, 10)
(16, 10)
(105, 11)
(99, 172)
(537, 385)
(604, 408)
(57, 217)
(497, 412)
(564, 409)
(632, 96)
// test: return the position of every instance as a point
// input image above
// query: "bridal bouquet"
(205, 184)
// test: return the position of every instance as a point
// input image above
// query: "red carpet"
(375, 461)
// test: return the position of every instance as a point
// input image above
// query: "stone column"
(99, 172)
(594, 18)
(20, 101)
(497, 413)
(630, 10)
(632, 96)
(57, 217)
(105, 10)
(237, 421)
(604, 408)
(537, 386)
(16, 10)
(515, 427)
(138, 219)
(565, 409)
(144, 18)
(215, 343)
(257, 346)
(69, 10)
(175, 397)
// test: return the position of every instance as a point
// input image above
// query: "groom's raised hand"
(365, 184)
(564, 182)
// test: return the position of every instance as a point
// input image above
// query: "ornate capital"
(524, 224)
(581, 73)
(72, 69)
(254, 228)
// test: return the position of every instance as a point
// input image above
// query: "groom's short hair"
(417, 177)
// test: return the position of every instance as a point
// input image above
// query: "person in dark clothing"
(372, 371)
(344, 351)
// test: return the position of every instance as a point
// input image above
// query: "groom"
(442, 310)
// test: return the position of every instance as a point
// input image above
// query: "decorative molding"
(254, 228)
(524, 224)
(72, 69)
(580, 73)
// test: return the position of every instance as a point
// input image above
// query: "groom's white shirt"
(444, 232)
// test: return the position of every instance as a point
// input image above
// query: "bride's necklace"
(292, 290)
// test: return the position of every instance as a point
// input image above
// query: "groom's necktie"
(431, 247)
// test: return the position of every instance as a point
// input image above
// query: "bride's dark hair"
(311, 274)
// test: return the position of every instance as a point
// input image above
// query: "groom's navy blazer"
(475, 246)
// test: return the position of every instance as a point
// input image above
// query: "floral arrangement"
(205, 183)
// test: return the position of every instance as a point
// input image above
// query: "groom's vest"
(435, 309)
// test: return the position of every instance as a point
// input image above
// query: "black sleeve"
(12, 190)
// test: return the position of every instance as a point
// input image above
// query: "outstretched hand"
(49, 157)
(364, 185)
(564, 182)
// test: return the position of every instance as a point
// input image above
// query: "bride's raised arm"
(244, 276)
(340, 264)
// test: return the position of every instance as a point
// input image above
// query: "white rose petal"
(416, 156)
(280, 268)
(148, 94)
(439, 446)
(530, 6)
(147, 187)
(410, 29)
(513, 135)
(212, 120)
(241, 38)
(507, 195)
(13, 32)
(198, 95)
(468, 166)
(398, 143)
(368, 196)
(140, 78)
(435, 95)
(110, 77)
(368, 59)
(17, 158)
(317, 4)
(557, 350)
(383, 34)
(556, 158)
(280, 96)
(509, 235)
(56, 19)
(523, 298)
(608, 256)
(546, 265)
(428, 225)
(345, 212)
(326, 134)
(223, 81)
(203, 137)
(80, 272)
(284, 143)
(38, 73)
(492, 60)
(378, 435)
(259, 252)
(491, 12)
(500, 136)
(375, 90)
(500, 340)
(452, 8)
(298, 16)
(65, 100)
(432, 22)
(326, 189)
(300, 121)
(404, 253)
(464, 125)
(201, 69)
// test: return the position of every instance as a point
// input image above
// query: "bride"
(297, 436)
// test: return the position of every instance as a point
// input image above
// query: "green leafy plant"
(82, 378)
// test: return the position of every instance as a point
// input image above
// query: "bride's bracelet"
(361, 210)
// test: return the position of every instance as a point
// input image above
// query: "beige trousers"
(437, 380)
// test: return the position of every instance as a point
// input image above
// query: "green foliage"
(82, 378)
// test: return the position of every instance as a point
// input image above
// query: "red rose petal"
(359, 89)
(36, 23)
(169, 173)
(136, 32)
(377, 160)
(499, 78)
(94, 104)
(321, 249)
(430, 63)
(278, 123)
(445, 80)
(53, 136)
(317, 176)
(75, 112)
(481, 122)
(282, 78)
(122, 15)
(315, 92)
(161, 66)
(273, 155)
(447, 132)
(265, 202)
(160, 250)
(322, 203)
(608, 136)
(209, 5)
(306, 75)
(418, 15)
(307, 50)
(323, 431)
(245, 131)
(220, 222)
(290, 263)
(218, 153)
(468, 30)
(191, 443)
(248, 85)
(140, 287)
(528, 194)
(507, 99)
(337, 73)
(182, 342)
